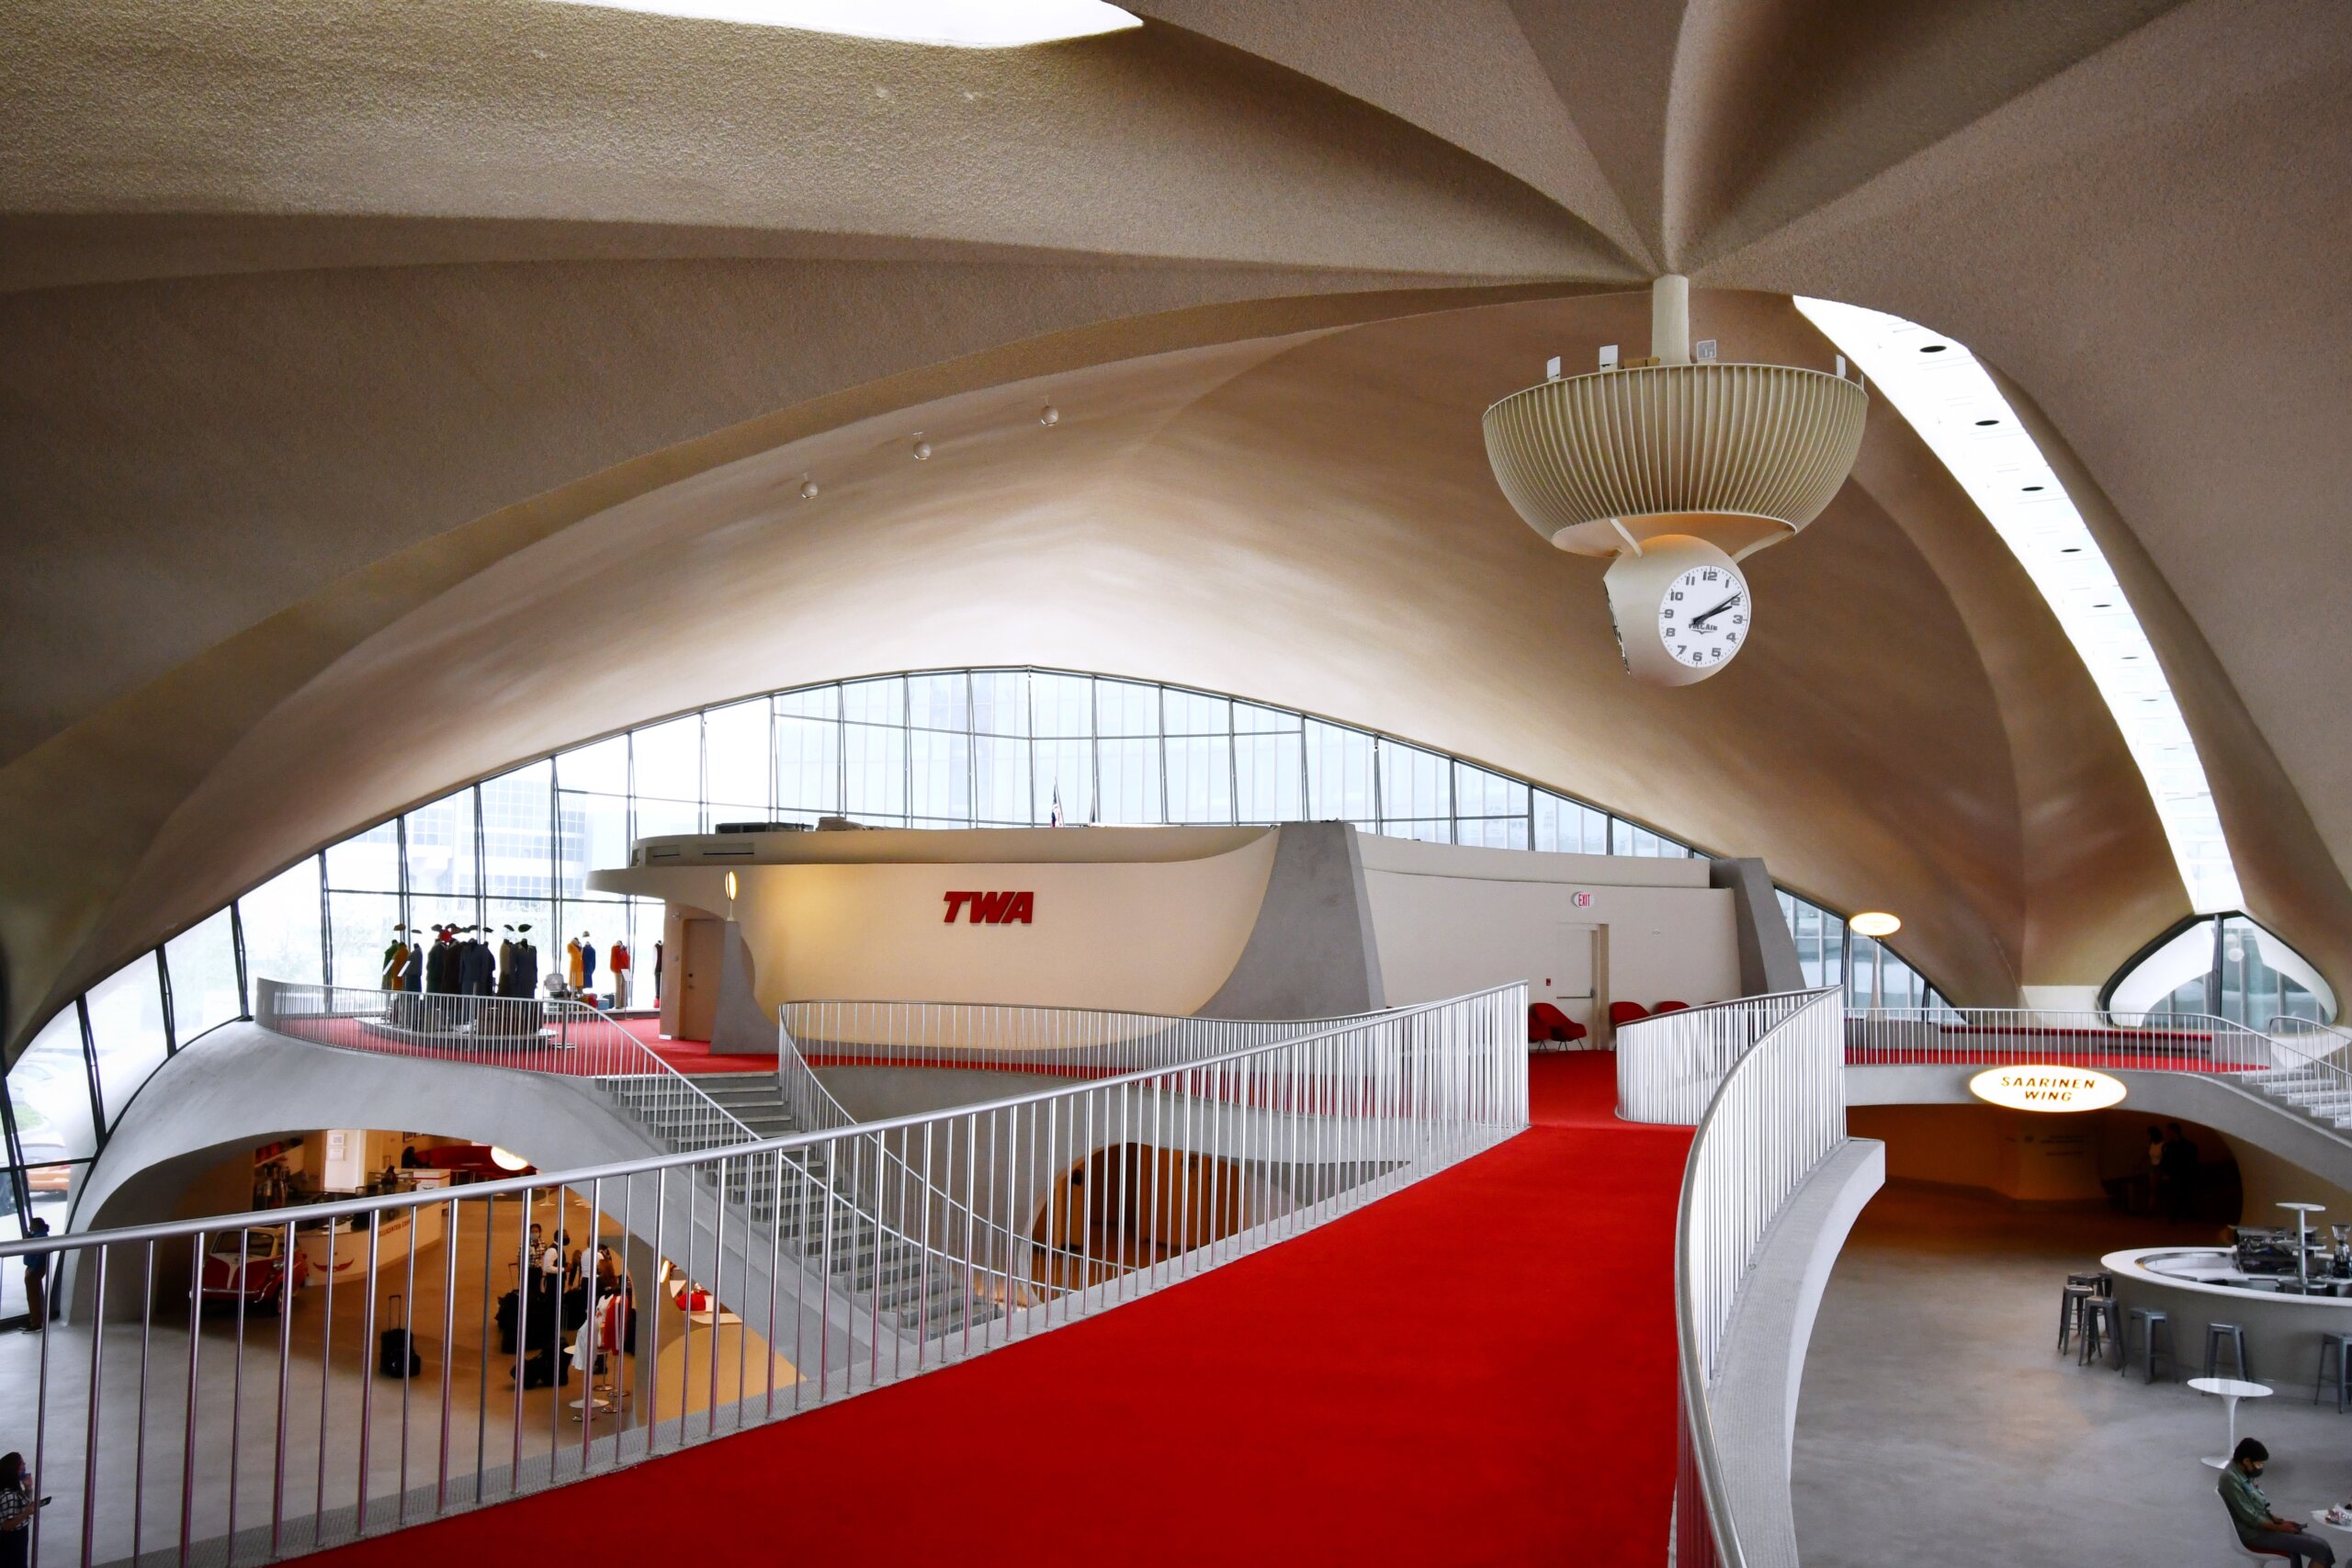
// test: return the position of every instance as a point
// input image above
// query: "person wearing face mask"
(2257, 1527)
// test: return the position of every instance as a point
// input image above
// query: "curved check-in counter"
(2195, 1286)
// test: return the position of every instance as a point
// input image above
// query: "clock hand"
(1702, 620)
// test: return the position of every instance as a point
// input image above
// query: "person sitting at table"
(2258, 1527)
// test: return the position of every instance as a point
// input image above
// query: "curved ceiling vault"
(394, 392)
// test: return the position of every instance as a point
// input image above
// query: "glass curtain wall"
(939, 749)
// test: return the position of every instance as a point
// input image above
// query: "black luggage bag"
(396, 1354)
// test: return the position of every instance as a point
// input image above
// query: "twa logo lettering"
(994, 908)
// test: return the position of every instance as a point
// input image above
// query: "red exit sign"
(993, 909)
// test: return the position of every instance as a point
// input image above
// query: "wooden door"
(705, 943)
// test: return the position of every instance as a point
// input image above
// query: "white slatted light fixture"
(1944, 393)
(956, 24)
(1680, 470)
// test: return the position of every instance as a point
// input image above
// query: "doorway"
(705, 942)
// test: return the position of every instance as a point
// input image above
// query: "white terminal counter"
(2195, 1286)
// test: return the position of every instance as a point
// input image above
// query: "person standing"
(2177, 1165)
(2154, 1178)
(17, 1505)
(36, 1280)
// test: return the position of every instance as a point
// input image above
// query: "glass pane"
(667, 818)
(507, 917)
(876, 770)
(1339, 772)
(1434, 830)
(1191, 713)
(1124, 707)
(1200, 778)
(1130, 780)
(441, 847)
(1568, 827)
(938, 702)
(1065, 781)
(1061, 704)
(363, 934)
(808, 764)
(372, 861)
(594, 838)
(600, 767)
(202, 964)
(1494, 832)
(53, 1191)
(48, 1089)
(874, 702)
(811, 701)
(667, 759)
(518, 834)
(282, 921)
(999, 702)
(1412, 784)
(1249, 718)
(735, 755)
(598, 923)
(1270, 772)
(720, 811)
(127, 1027)
(1000, 780)
(941, 764)
(1477, 792)
(645, 936)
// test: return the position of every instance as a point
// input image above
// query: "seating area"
(1549, 1028)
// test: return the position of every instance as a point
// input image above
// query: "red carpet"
(1479, 1370)
(693, 1056)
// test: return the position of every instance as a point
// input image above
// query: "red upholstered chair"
(1669, 1007)
(1546, 1022)
(1626, 1013)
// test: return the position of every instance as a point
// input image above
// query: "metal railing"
(529, 1034)
(2314, 1041)
(203, 1402)
(1998, 1037)
(1669, 1063)
(1778, 1114)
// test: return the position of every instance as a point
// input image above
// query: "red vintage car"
(259, 1281)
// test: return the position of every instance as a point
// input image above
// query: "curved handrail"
(1778, 1114)
(1669, 1064)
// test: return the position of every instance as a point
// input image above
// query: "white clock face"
(1702, 617)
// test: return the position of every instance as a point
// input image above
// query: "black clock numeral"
(1675, 595)
(1709, 575)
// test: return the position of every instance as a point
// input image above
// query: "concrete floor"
(1938, 1425)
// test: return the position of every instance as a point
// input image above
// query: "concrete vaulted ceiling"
(390, 394)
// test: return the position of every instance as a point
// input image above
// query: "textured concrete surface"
(1937, 1423)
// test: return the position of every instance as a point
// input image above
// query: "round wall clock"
(1681, 609)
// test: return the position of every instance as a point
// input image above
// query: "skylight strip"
(1937, 385)
(954, 24)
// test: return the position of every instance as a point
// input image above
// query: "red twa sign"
(994, 908)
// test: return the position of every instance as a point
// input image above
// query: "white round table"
(2231, 1390)
(2318, 1517)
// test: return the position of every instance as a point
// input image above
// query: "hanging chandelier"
(1679, 469)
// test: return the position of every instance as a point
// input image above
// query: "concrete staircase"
(879, 1269)
(2314, 1090)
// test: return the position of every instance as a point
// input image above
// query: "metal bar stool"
(2101, 1329)
(2340, 1343)
(2070, 1311)
(2152, 1321)
(2216, 1336)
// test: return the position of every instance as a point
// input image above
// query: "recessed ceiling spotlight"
(921, 449)
(807, 488)
(2071, 550)
(1988, 421)
(1049, 416)
(957, 24)
(2033, 487)
(1934, 348)
(2103, 605)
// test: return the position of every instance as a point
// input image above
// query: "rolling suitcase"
(396, 1354)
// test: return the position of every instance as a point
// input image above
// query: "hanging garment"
(526, 962)
(412, 972)
(619, 962)
(505, 983)
(478, 969)
(572, 949)
(395, 959)
(587, 963)
(441, 965)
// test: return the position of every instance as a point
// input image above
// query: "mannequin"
(572, 968)
(620, 963)
(587, 961)
(396, 958)
(526, 962)
(441, 962)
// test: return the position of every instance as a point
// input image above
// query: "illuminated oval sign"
(2045, 1087)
